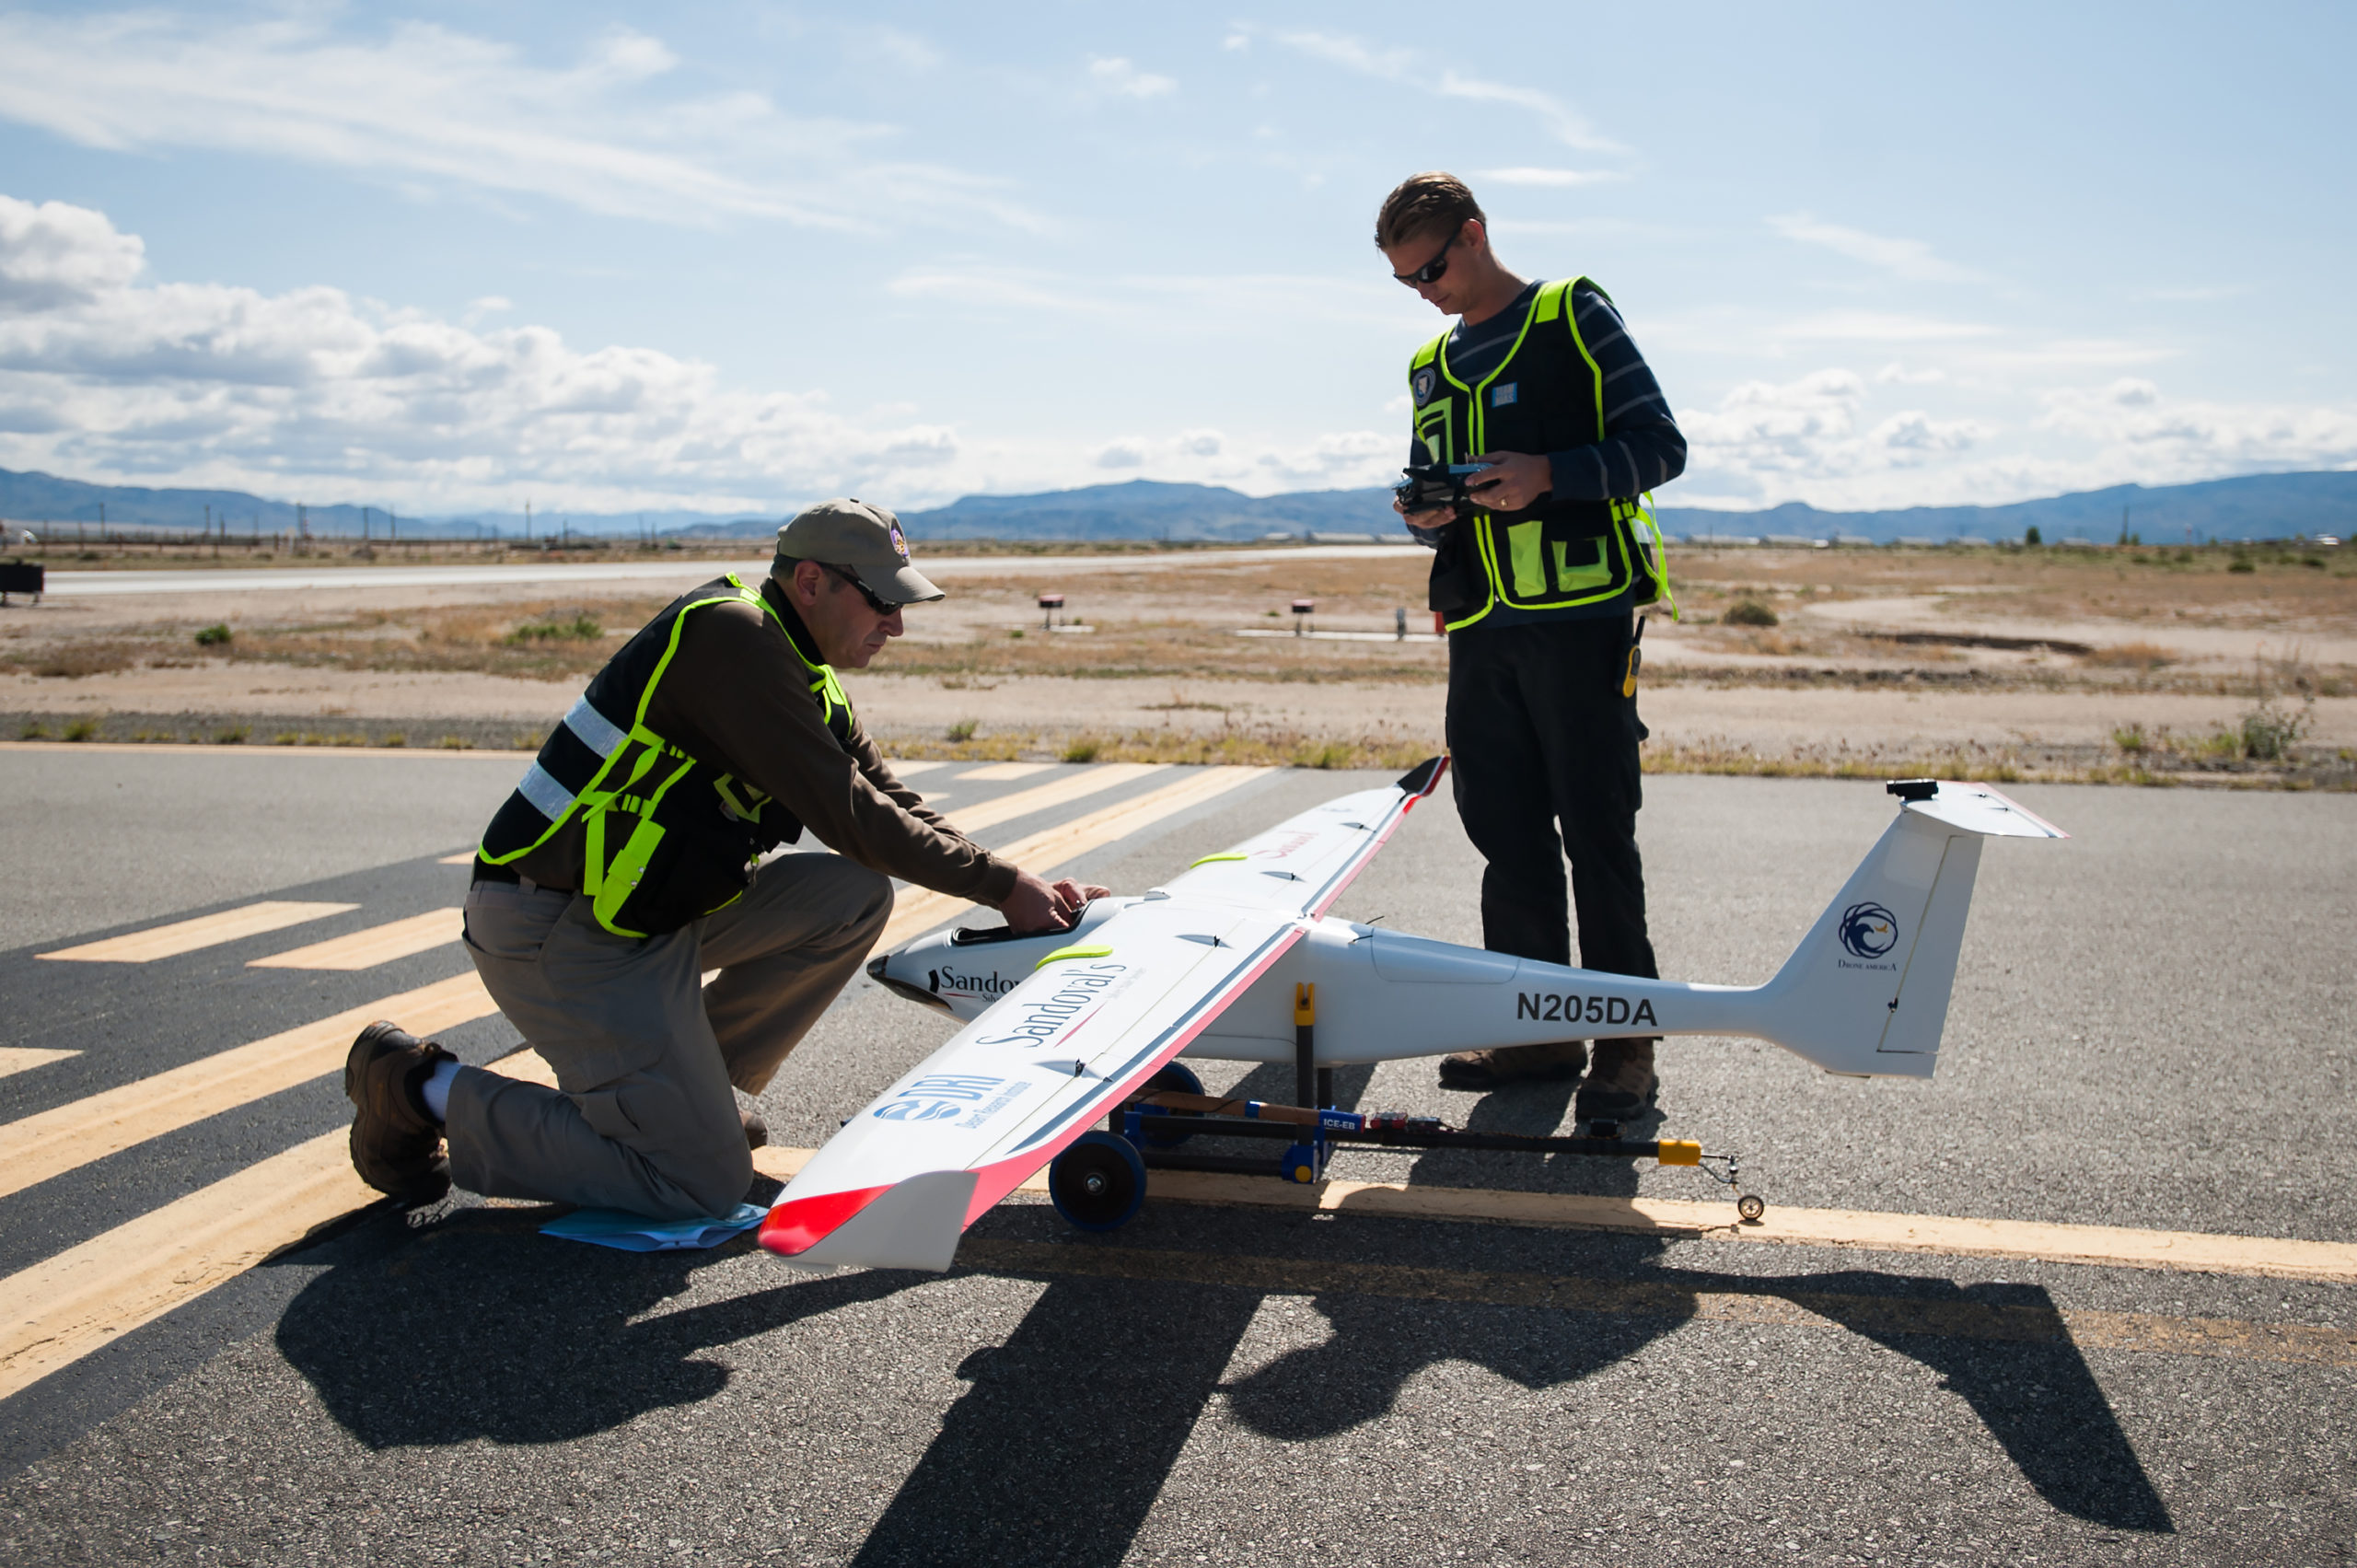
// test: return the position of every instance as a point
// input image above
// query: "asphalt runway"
(2151, 1028)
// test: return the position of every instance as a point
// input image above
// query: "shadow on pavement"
(424, 1350)
(1058, 1451)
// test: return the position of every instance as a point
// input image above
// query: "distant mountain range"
(2280, 505)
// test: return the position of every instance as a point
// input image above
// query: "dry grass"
(2132, 656)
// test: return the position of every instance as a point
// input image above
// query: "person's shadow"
(454, 1337)
(1059, 1450)
(1064, 1441)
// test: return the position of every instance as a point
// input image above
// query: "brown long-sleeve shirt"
(736, 698)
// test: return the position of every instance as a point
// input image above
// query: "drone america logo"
(1868, 931)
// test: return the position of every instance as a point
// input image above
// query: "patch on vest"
(1423, 381)
(1501, 396)
(899, 540)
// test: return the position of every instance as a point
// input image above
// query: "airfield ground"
(2152, 1032)
(2132, 665)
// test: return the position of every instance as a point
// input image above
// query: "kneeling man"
(623, 867)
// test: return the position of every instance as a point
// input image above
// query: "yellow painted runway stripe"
(1765, 1302)
(205, 931)
(36, 1148)
(917, 911)
(377, 945)
(17, 1059)
(63, 1308)
(1039, 797)
(1006, 771)
(2103, 1246)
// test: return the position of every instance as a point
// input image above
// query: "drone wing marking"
(964, 1128)
(1301, 866)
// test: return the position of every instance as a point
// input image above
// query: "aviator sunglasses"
(1434, 270)
(843, 574)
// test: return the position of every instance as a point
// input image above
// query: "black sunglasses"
(1434, 270)
(844, 574)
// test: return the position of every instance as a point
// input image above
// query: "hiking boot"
(1558, 1062)
(396, 1146)
(1620, 1085)
(756, 1131)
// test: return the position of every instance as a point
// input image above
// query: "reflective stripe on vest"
(594, 768)
(1520, 565)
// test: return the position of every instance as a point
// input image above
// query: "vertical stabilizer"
(1866, 991)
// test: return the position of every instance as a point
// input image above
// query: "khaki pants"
(642, 1118)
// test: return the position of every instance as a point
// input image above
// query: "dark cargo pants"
(1543, 751)
(646, 1054)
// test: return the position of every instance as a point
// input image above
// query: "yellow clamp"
(1678, 1151)
(1305, 1003)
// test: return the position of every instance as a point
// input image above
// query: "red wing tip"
(793, 1227)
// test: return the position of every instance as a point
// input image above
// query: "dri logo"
(1869, 931)
(919, 1110)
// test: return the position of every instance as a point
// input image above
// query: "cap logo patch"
(899, 540)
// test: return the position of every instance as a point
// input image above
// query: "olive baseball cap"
(862, 537)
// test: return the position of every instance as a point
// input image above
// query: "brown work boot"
(756, 1131)
(1557, 1061)
(396, 1146)
(1620, 1084)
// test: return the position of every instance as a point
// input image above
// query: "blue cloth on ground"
(636, 1233)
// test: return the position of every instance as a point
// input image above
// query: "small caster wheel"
(1097, 1182)
(1155, 1126)
(1750, 1206)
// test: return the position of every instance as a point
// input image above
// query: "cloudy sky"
(739, 255)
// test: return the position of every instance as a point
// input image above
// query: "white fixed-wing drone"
(1232, 958)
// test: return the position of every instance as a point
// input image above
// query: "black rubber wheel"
(1155, 1127)
(1751, 1206)
(1097, 1182)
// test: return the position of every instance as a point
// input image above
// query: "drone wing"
(1302, 864)
(900, 1182)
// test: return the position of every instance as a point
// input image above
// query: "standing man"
(1538, 581)
(623, 867)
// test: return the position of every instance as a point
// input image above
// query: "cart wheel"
(1097, 1182)
(1154, 1126)
(1751, 1206)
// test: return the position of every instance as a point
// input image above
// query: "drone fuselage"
(1381, 995)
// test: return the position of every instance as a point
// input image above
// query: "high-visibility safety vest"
(1547, 395)
(668, 837)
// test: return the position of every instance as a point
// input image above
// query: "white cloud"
(421, 106)
(1116, 75)
(1551, 178)
(1910, 258)
(1344, 460)
(2133, 424)
(310, 394)
(55, 255)
(1565, 123)
(1819, 439)
(309, 390)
